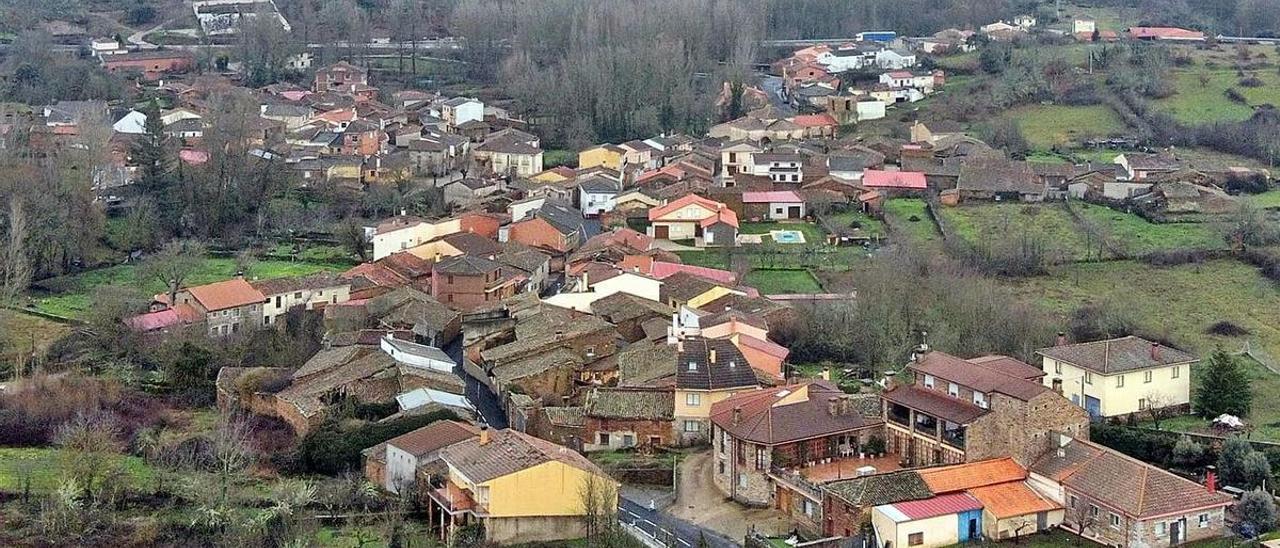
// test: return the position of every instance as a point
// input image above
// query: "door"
(1093, 406)
(973, 528)
(1175, 531)
(1042, 521)
(793, 212)
(662, 232)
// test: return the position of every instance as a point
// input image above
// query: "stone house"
(847, 504)
(465, 282)
(621, 418)
(309, 292)
(227, 307)
(965, 410)
(339, 76)
(394, 464)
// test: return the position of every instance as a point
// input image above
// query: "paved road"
(773, 88)
(669, 530)
(478, 393)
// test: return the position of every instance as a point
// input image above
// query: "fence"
(658, 534)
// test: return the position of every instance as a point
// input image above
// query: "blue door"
(970, 525)
(1093, 406)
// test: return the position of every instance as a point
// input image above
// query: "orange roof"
(689, 199)
(1006, 500)
(226, 294)
(725, 215)
(815, 120)
(970, 475)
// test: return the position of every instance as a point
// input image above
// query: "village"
(1008, 282)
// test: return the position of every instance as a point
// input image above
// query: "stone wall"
(528, 529)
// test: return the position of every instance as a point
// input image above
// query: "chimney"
(1211, 478)
(826, 373)
(845, 405)
(711, 356)
(833, 406)
(737, 415)
(1062, 339)
(679, 345)
(1057, 386)
(484, 434)
(1155, 351)
(404, 212)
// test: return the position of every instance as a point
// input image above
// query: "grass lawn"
(43, 465)
(19, 330)
(867, 225)
(1049, 224)
(919, 232)
(709, 259)
(813, 234)
(1198, 103)
(1266, 200)
(964, 62)
(365, 536)
(776, 282)
(1138, 236)
(71, 294)
(1047, 125)
(1180, 303)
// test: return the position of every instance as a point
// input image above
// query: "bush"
(331, 451)
(875, 445)
(1231, 460)
(1235, 96)
(32, 410)
(1188, 455)
(1253, 183)
(1257, 509)
(1227, 329)
(1252, 82)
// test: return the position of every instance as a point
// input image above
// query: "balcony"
(926, 424)
(953, 435)
(899, 415)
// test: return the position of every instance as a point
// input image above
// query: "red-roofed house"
(706, 222)
(773, 205)
(939, 521)
(162, 321)
(1174, 34)
(894, 181)
(817, 125)
(228, 307)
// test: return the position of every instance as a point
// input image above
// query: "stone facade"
(1022, 430)
(843, 519)
(1140, 533)
(742, 469)
(641, 432)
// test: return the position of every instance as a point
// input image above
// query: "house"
(490, 478)
(735, 158)
(1119, 376)
(1083, 25)
(309, 292)
(707, 371)
(1138, 167)
(1011, 506)
(993, 178)
(228, 307)
(460, 110)
(624, 418)
(778, 167)
(707, 222)
(510, 157)
(894, 182)
(847, 503)
(1117, 500)
(404, 309)
(774, 205)
(151, 64)
(470, 190)
(943, 520)
(399, 458)
(402, 232)
(554, 226)
(965, 410)
(635, 202)
(757, 432)
(465, 282)
(340, 76)
(1165, 34)
(750, 333)
(1025, 21)
(932, 132)
(596, 195)
(551, 352)
(601, 283)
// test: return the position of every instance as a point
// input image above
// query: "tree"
(1082, 516)
(1224, 388)
(1258, 509)
(599, 499)
(91, 444)
(15, 265)
(352, 235)
(1159, 407)
(1249, 226)
(1231, 459)
(1187, 454)
(173, 264)
(1255, 470)
(230, 452)
(153, 152)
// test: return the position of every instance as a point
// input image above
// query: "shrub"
(1234, 96)
(875, 445)
(1231, 460)
(1252, 82)
(1257, 509)
(1227, 329)
(1188, 455)
(32, 410)
(330, 450)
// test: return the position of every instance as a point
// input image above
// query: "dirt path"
(699, 502)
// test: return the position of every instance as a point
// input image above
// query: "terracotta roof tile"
(226, 294)
(959, 477)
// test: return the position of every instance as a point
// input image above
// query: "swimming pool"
(787, 236)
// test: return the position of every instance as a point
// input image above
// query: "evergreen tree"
(1231, 461)
(1257, 509)
(1224, 388)
(153, 154)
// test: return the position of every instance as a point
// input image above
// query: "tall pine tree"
(153, 153)
(1224, 387)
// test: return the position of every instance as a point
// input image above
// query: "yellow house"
(521, 488)
(1119, 376)
(555, 175)
(606, 155)
(707, 371)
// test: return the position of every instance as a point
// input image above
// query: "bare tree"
(1081, 514)
(91, 446)
(1159, 407)
(16, 265)
(173, 264)
(599, 499)
(231, 453)
(353, 237)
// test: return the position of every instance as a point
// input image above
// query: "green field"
(1046, 126)
(1137, 236)
(920, 232)
(709, 259)
(1266, 200)
(1049, 225)
(813, 234)
(777, 282)
(20, 331)
(1179, 303)
(44, 466)
(1197, 103)
(70, 295)
(867, 225)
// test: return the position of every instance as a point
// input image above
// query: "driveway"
(699, 502)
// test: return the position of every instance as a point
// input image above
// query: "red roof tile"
(958, 477)
(222, 295)
(938, 506)
(874, 178)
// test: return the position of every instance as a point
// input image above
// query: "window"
(742, 480)
(693, 400)
(1088, 377)
(604, 438)
(1115, 520)
(953, 390)
(1057, 367)
(724, 440)
(809, 508)
(1071, 501)
(1162, 529)
(628, 440)
(266, 320)
(1093, 510)
(721, 466)
(1142, 404)
(1204, 521)
(762, 455)
(297, 294)
(915, 539)
(928, 381)
(278, 300)
(1120, 381)
(1175, 371)
(980, 399)
(692, 426)
(1146, 377)
(693, 366)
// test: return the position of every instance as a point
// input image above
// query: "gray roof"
(420, 350)
(644, 363)
(599, 185)
(877, 489)
(466, 265)
(508, 452)
(632, 404)
(1117, 355)
(695, 368)
(561, 216)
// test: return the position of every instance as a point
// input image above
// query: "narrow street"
(701, 503)
(772, 86)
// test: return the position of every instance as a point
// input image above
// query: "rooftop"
(433, 437)
(1117, 355)
(508, 452)
(785, 414)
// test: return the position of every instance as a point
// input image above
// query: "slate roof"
(432, 437)
(307, 395)
(471, 243)
(1123, 483)
(935, 403)
(683, 286)
(508, 145)
(998, 175)
(561, 216)
(631, 404)
(696, 370)
(1115, 355)
(976, 376)
(466, 265)
(769, 416)
(571, 417)
(620, 307)
(277, 286)
(599, 185)
(647, 364)
(878, 489)
(1009, 366)
(508, 452)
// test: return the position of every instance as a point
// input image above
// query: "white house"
(905, 79)
(1025, 21)
(309, 292)
(417, 355)
(105, 46)
(133, 123)
(520, 208)
(779, 168)
(597, 195)
(461, 110)
(871, 109)
(1083, 25)
(406, 453)
(631, 283)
